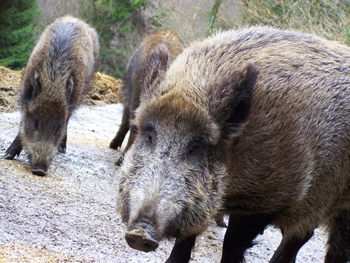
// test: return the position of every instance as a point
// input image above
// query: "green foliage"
(327, 18)
(213, 15)
(116, 22)
(16, 31)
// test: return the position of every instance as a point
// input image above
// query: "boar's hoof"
(221, 223)
(38, 171)
(61, 149)
(141, 240)
(115, 143)
(119, 162)
(9, 156)
(219, 220)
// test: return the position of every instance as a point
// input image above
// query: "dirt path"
(70, 216)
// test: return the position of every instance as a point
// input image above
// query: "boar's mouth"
(140, 239)
(39, 171)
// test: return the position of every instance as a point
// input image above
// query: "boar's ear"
(230, 99)
(157, 64)
(33, 89)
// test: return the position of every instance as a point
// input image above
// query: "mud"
(70, 215)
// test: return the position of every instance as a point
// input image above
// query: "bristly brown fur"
(255, 122)
(55, 80)
(153, 56)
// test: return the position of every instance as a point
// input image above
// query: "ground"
(104, 88)
(70, 214)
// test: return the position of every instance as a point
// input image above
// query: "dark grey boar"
(57, 76)
(255, 123)
(162, 44)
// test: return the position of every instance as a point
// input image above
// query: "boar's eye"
(148, 133)
(149, 139)
(35, 123)
(195, 147)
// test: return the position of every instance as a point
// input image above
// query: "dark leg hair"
(339, 238)
(63, 144)
(14, 149)
(289, 247)
(181, 252)
(123, 130)
(240, 234)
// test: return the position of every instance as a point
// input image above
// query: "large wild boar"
(163, 47)
(57, 76)
(255, 122)
(154, 45)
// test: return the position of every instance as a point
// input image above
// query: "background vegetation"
(16, 31)
(327, 18)
(122, 24)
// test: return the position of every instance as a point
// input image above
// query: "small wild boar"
(253, 122)
(160, 44)
(57, 76)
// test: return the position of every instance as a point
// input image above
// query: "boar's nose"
(39, 171)
(139, 239)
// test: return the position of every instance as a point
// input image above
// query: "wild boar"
(255, 123)
(54, 83)
(163, 47)
(166, 42)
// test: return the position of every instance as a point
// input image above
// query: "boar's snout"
(39, 171)
(141, 240)
(40, 155)
(39, 167)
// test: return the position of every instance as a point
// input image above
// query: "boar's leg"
(120, 137)
(63, 144)
(240, 234)
(14, 149)
(119, 162)
(339, 238)
(123, 130)
(131, 140)
(181, 252)
(289, 247)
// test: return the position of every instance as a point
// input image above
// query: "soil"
(70, 214)
(104, 88)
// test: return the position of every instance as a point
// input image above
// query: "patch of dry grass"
(105, 88)
(329, 19)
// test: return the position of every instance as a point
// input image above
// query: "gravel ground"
(70, 215)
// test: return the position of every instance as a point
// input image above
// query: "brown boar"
(255, 123)
(57, 76)
(162, 44)
(163, 47)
